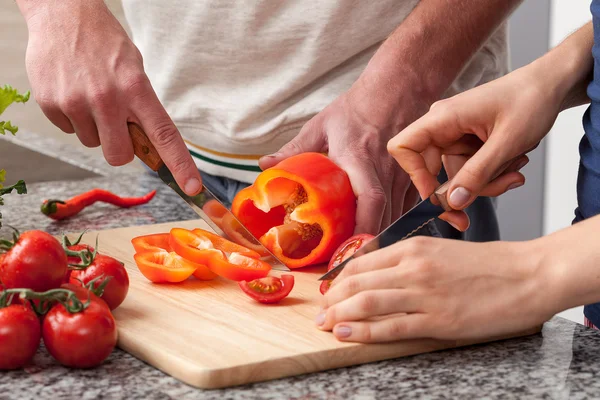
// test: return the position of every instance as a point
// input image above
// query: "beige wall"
(13, 44)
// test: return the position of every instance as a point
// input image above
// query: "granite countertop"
(558, 363)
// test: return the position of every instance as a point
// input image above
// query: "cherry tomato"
(20, 335)
(118, 286)
(37, 261)
(269, 289)
(83, 339)
(345, 250)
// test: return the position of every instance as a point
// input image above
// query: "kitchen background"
(544, 205)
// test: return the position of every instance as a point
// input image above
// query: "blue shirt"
(588, 180)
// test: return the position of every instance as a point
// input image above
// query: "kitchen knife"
(145, 151)
(403, 228)
(408, 224)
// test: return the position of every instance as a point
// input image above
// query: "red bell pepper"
(221, 256)
(302, 209)
(157, 261)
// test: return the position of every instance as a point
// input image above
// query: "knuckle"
(397, 329)
(164, 134)
(45, 101)
(136, 84)
(376, 196)
(71, 103)
(367, 302)
(101, 96)
(352, 286)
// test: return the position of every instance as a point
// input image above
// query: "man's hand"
(354, 130)
(88, 78)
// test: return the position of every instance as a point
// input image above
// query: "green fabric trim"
(253, 168)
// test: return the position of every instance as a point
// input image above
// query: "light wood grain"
(211, 335)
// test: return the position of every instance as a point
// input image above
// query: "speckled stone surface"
(559, 363)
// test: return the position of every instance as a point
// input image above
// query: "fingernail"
(192, 186)
(515, 185)
(274, 155)
(342, 331)
(459, 197)
(320, 320)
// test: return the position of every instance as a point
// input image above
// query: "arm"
(430, 48)
(88, 78)
(497, 117)
(410, 70)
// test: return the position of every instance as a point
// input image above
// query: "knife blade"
(403, 228)
(410, 223)
(146, 152)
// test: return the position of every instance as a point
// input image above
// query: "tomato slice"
(163, 266)
(238, 267)
(270, 289)
(342, 253)
(152, 243)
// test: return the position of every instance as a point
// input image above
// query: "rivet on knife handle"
(143, 147)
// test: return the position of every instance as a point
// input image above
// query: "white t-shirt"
(240, 78)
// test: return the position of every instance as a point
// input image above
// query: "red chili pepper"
(58, 209)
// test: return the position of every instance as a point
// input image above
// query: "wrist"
(44, 8)
(387, 102)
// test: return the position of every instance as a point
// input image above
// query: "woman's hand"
(440, 288)
(475, 135)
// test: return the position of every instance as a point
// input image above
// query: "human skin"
(446, 289)
(411, 70)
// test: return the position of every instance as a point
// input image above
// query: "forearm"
(432, 45)
(30, 8)
(570, 265)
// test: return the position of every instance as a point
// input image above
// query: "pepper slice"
(163, 266)
(268, 290)
(152, 243)
(160, 242)
(221, 256)
(302, 209)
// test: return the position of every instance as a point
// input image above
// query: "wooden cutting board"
(211, 335)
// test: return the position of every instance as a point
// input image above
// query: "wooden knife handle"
(441, 193)
(143, 147)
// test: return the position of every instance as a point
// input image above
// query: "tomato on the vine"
(102, 265)
(269, 289)
(20, 335)
(82, 339)
(342, 253)
(35, 260)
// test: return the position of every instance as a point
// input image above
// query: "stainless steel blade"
(198, 201)
(403, 228)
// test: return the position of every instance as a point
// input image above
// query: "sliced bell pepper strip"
(302, 209)
(225, 258)
(160, 242)
(154, 242)
(268, 290)
(162, 266)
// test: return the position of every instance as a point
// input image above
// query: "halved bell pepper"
(302, 209)
(164, 267)
(221, 256)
